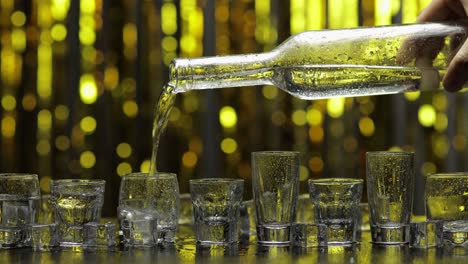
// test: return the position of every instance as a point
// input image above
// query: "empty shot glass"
(43, 237)
(163, 193)
(99, 236)
(336, 203)
(76, 202)
(309, 235)
(390, 184)
(216, 204)
(426, 234)
(19, 207)
(275, 182)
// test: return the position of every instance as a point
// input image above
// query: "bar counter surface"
(185, 250)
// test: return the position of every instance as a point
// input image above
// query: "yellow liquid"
(161, 115)
(448, 208)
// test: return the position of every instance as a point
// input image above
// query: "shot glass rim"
(285, 153)
(445, 175)
(389, 153)
(68, 182)
(148, 175)
(206, 181)
(19, 175)
(336, 181)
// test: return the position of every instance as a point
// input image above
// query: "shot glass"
(76, 202)
(163, 195)
(390, 184)
(309, 235)
(275, 182)
(447, 200)
(336, 203)
(426, 234)
(43, 237)
(99, 236)
(19, 207)
(216, 204)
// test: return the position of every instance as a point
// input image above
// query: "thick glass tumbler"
(163, 193)
(447, 200)
(216, 203)
(275, 182)
(390, 184)
(19, 207)
(337, 206)
(76, 202)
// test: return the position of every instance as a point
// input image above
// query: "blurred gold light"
(87, 159)
(59, 9)
(188, 44)
(269, 92)
(18, 40)
(29, 102)
(58, 32)
(314, 117)
(44, 184)
(124, 168)
(169, 43)
(145, 166)
(87, 36)
(18, 19)
(88, 124)
(175, 114)
(43, 147)
(441, 146)
(124, 150)
(88, 89)
(88, 6)
(196, 145)
(8, 102)
(303, 173)
(228, 145)
(441, 122)
(299, 117)
(8, 127)
(316, 164)
(189, 159)
(316, 134)
(130, 108)
(439, 100)
(412, 96)
(395, 148)
(61, 112)
(228, 117)
(44, 120)
(169, 18)
(350, 144)
(335, 107)
(111, 77)
(62, 143)
(129, 35)
(427, 168)
(366, 126)
(427, 115)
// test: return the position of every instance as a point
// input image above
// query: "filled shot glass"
(216, 203)
(275, 182)
(76, 203)
(336, 203)
(163, 193)
(390, 184)
(19, 207)
(447, 200)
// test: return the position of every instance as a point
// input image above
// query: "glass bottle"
(335, 63)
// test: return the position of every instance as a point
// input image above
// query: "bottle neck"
(221, 72)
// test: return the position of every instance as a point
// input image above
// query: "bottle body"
(335, 63)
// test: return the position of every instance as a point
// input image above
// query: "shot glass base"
(216, 232)
(390, 235)
(456, 234)
(11, 237)
(274, 234)
(165, 235)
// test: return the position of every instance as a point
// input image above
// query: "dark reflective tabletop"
(185, 250)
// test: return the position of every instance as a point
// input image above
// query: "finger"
(457, 71)
(437, 10)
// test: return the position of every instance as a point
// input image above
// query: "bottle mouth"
(180, 75)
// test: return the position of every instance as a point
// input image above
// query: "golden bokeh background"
(80, 79)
